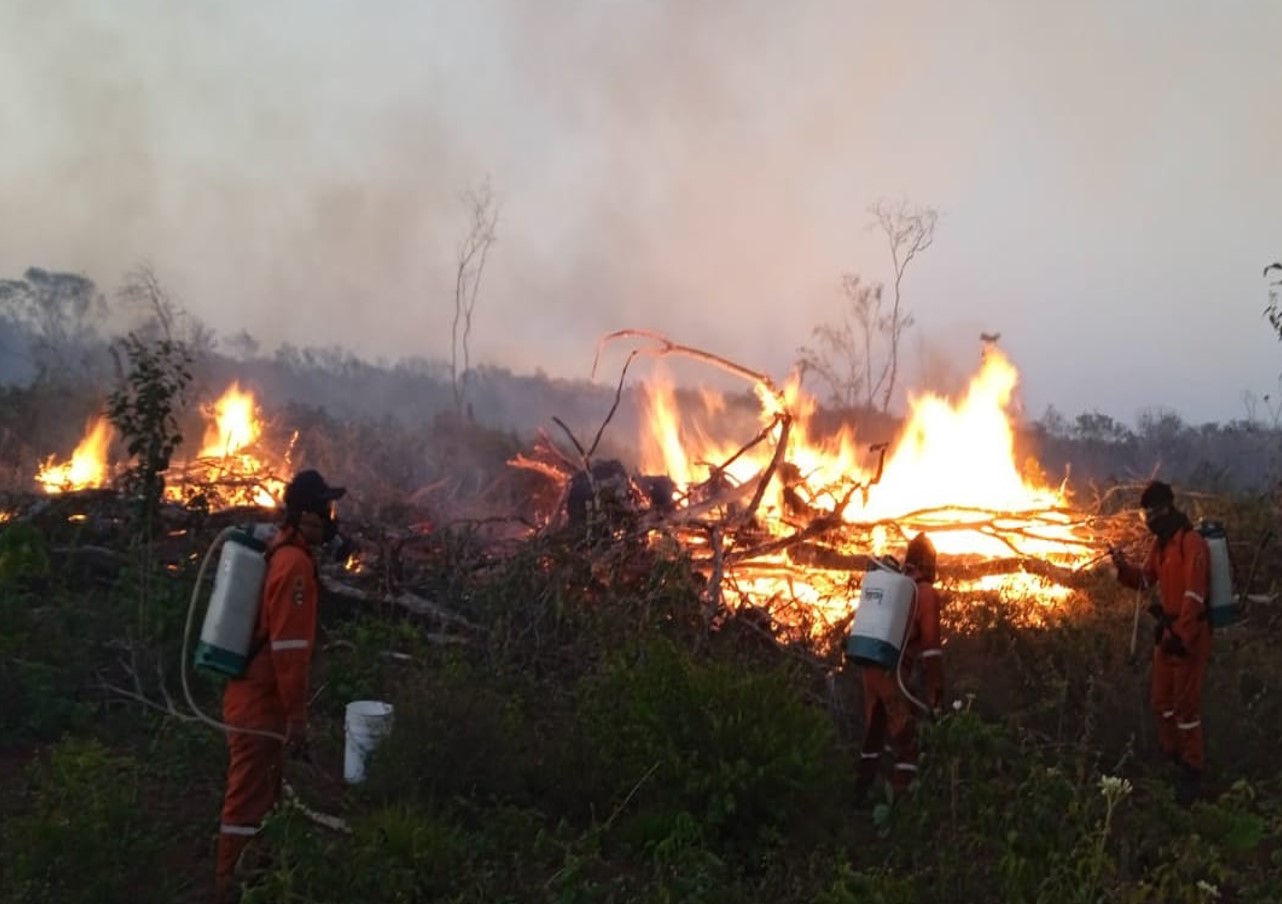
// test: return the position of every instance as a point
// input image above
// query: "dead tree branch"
(472, 254)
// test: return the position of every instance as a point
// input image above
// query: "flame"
(87, 467)
(230, 456)
(951, 471)
(230, 461)
(234, 426)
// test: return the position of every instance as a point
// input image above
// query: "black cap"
(308, 491)
(1157, 493)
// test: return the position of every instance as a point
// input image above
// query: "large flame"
(230, 461)
(230, 456)
(234, 426)
(87, 467)
(951, 471)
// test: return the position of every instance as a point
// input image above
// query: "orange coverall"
(889, 722)
(272, 695)
(1180, 567)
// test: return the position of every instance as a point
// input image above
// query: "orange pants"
(889, 725)
(1177, 702)
(253, 788)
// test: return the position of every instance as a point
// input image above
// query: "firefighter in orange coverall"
(272, 695)
(890, 723)
(1179, 564)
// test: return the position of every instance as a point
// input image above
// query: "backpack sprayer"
(226, 636)
(879, 633)
(1223, 608)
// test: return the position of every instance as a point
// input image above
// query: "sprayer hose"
(324, 819)
(191, 614)
(899, 666)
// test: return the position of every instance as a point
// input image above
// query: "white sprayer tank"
(886, 602)
(366, 724)
(228, 629)
(1221, 606)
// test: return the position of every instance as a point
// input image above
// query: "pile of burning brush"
(783, 521)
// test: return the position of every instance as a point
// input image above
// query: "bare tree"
(60, 312)
(242, 346)
(909, 231)
(843, 354)
(163, 316)
(858, 355)
(473, 251)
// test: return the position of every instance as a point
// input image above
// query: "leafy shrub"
(706, 750)
(458, 733)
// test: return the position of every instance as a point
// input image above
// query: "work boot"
(1188, 785)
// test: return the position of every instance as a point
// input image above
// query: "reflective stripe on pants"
(253, 787)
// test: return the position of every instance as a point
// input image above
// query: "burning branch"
(785, 425)
(668, 347)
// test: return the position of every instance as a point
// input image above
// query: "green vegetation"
(594, 743)
(595, 739)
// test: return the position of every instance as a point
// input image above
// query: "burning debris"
(230, 460)
(87, 468)
(784, 522)
(231, 469)
(781, 523)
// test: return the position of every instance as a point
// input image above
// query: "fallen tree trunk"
(410, 602)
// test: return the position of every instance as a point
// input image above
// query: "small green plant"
(145, 410)
(86, 839)
(729, 755)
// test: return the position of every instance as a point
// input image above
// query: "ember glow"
(951, 471)
(87, 467)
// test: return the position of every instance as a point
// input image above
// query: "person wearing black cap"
(272, 695)
(1178, 563)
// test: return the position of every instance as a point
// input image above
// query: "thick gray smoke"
(702, 169)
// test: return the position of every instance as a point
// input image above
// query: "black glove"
(1118, 557)
(1157, 612)
(1173, 646)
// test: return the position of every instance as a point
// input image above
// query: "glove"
(298, 745)
(1157, 612)
(1118, 557)
(1173, 646)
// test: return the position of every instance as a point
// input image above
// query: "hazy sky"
(1109, 174)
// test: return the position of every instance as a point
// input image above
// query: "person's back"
(269, 703)
(273, 692)
(889, 720)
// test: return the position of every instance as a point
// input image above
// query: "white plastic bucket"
(367, 723)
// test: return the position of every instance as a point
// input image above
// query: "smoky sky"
(1107, 175)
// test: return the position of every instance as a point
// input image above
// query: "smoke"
(702, 169)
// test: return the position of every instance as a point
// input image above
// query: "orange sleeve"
(1196, 583)
(1143, 576)
(289, 601)
(929, 636)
